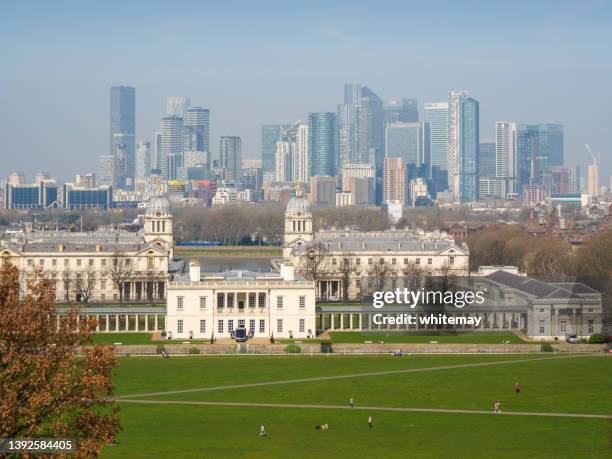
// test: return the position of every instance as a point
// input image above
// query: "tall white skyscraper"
(302, 163)
(176, 105)
(505, 149)
(454, 139)
(143, 159)
(285, 156)
(435, 134)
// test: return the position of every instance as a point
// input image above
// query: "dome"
(158, 204)
(298, 205)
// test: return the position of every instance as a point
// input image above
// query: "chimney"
(60, 248)
(287, 272)
(194, 271)
(98, 248)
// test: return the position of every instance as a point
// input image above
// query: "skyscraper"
(172, 141)
(360, 127)
(487, 160)
(197, 129)
(143, 159)
(322, 143)
(435, 120)
(123, 124)
(463, 143)
(404, 140)
(106, 169)
(230, 156)
(394, 180)
(302, 161)
(538, 147)
(177, 105)
(505, 149)
(270, 134)
(401, 111)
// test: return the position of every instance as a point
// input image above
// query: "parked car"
(240, 334)
(573, 339)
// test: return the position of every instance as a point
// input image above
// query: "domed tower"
(298, 223)
(158, 223)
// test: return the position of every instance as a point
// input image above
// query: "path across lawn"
(363, 408)
(348, 376)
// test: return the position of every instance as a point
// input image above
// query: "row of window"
(88, 262)
(180, 301)
(563, 329)
(417, 261)
(241, 324)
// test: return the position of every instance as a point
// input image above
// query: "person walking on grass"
(517, 388)
(262, 431)
(351, 403)
(370, 422)
(497, 407)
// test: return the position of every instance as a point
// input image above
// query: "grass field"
(179, 425)
(138, 338)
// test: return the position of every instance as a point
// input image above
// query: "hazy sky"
(257, 62)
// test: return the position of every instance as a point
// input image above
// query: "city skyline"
(526, 87)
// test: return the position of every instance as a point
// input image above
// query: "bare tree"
(347, 271)
(121, 270)
(84, 284)
(67, 282)
(413, 276)
(316, 262)
(378, 273)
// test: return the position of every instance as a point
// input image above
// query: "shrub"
(159, 349)
(193, 350)
(293, 349)
(597, 339)
(547, 348)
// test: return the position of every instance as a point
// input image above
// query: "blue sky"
(263, 62)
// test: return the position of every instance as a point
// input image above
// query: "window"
(262, 300)
(103, 284)
(302, 302)
(30, 262)
(66, 262)
(230, 326)
(179, 303)
(202, 302)
(128, 262)
(103, 297)
(591, 326)
(405, 261)
(369, 261)
(590, 310)
(103, 261)
(563, 327)
(334, 261)
(91, 262)
(179, 326)
(279, 325)
(54, 262)
(252, 327)
(252, 300)
(230, 300)
(358, 261)
(417, 261)
(78, 262)
(302, 325)
(542, 322)
(220, 300)
(262, 326)
(220, 326)
(451, 260)
(41, 262)
(241, 323)
(393, 261)
(430, 261)
(279, 302)
(202, 325)
(542, 310)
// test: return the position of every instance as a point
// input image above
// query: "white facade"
(265, 304)
(505, 149)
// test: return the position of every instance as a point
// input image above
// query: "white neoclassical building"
(345, 259)
(213, 305)
(99, 266)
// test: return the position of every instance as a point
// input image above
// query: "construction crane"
(593, 155)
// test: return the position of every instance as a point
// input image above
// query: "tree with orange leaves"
(48, 388)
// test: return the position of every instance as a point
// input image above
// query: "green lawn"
(403, 337)
(138, 338)
(558, 384)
